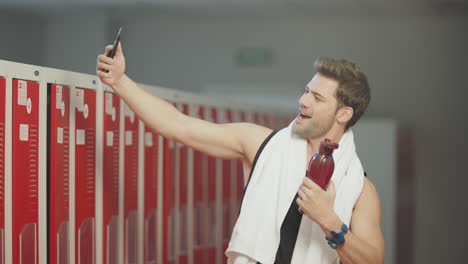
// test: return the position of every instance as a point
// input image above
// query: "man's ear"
(344, 114)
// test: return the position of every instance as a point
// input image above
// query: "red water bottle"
(321, 165)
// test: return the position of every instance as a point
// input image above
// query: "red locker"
(2, 169)
(59, 174)
(240, 171)
(268, 121)
(183, 210)
(212, 223)
(256, 119)
(200, 203)
(131, 187)
(151, 231)
(111, 177)
(169, 199)
(228, 195)
(25, 171)
(85, 175)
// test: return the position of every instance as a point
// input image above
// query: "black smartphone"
(112, 52)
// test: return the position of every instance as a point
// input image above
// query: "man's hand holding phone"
(109, 69)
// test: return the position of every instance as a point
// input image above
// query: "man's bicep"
(366, 219)
(226, 141)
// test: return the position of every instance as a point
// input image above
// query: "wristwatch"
(337, 239)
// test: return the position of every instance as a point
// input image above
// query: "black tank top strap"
(259, 151)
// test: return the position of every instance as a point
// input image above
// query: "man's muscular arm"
(227, 141)
(364, 240)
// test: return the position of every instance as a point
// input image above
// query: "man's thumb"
(119, 48)
(331, 187)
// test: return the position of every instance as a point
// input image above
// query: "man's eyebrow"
(319, 95)
(315, 93)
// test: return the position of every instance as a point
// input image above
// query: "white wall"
(73, 41)
(376, 146)
(21, 37)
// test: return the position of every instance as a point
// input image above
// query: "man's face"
(317, 108)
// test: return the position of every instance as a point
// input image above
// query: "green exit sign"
(250, 57)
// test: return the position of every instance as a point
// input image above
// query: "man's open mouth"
(302, 115)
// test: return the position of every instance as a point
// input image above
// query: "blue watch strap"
(337, 239)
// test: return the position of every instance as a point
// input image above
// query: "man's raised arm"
(228, 141)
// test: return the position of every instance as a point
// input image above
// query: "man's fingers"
(299, 202)
(103, 74)
(105, 59)
(119, 48)
(103, 66)
(310, 184)
(331, 187)
(301, 193)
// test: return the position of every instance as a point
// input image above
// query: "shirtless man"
(323, 113)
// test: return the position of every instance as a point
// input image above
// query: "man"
(333, 101)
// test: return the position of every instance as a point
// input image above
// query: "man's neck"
(313, 144)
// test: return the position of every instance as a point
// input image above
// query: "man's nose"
(304, 101)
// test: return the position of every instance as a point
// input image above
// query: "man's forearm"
(354, 250)
(156, 113)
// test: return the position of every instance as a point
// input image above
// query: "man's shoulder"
(252, 136)
(369, 196)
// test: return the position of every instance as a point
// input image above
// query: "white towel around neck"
(278, 174)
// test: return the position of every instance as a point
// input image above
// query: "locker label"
(58, 97)
(128, 138)
(24, 132)
(79, 99)
(80, 137)
(109, 138)
(148, 139)
(22, 92)
(60, 135)
(109, 103)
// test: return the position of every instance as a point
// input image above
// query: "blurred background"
(415, 53)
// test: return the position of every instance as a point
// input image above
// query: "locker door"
(131, 187)
(212, 205)
(183, 198)
(25, 171)
(59, 173)
(268, 121)
(228, 193)
(201, 201)
(170, 190)
(242, 117)
(85, 175)
(151, 231)
(111, 177)
(2, 169)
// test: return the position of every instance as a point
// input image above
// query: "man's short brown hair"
(353, 88)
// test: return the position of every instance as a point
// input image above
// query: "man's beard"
(310, 130)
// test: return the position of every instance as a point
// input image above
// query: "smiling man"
(342, 223)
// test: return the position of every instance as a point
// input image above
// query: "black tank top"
(291, 223)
